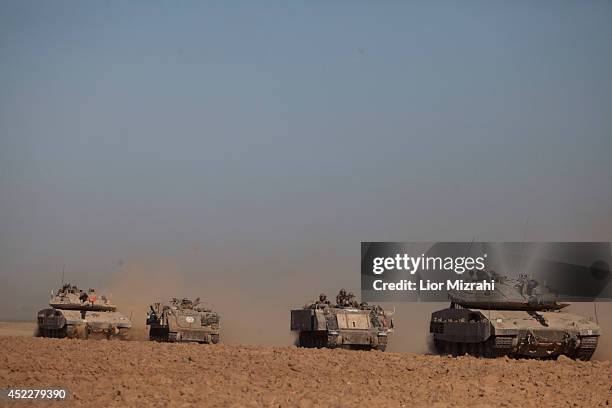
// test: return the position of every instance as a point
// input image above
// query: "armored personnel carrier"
(183, 321)
(517, 319)
(75, 313)
(347, 324)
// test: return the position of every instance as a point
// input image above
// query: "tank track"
(586, 349)
(494, 347)
(160, 334)
(121, 334)
(68, 331)
(323, 340)
(77, 332)
(214, 339)
(499, 346)
(52, 333)
(314, 340)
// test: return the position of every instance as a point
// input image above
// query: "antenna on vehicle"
(470, 246)
(523, 248)
(595, 309)
(63, 270)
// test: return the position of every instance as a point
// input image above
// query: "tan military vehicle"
(82, 314)
(514, 320)
(346, 324)
(183, 321)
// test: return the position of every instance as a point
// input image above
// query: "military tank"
(76, 313)
(183, 321)
(346, 324)
(519, 318)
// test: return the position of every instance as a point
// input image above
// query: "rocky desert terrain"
(142, 373)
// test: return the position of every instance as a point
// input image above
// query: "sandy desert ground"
(141, 373)
(17, 328)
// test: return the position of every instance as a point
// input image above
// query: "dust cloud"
(138, 284)
(251, 313)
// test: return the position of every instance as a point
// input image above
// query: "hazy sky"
(252, 144)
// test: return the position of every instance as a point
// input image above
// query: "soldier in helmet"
(351, 300)
(317, 303)
(341, 298)
(323, 300)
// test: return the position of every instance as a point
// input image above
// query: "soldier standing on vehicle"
(351, 300)
(341, 298)
(323, 300)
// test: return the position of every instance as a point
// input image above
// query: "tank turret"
(509, 294)
(77, 313)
